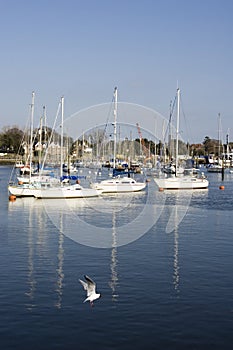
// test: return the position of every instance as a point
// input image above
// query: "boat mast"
(31, 135)
(40, 145)
(170, 144)
(45, 125)
(83, 148)
(219, 136)
(177, 128)
(115, 128)
(62, 121)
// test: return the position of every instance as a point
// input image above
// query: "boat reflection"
(60, 273)
(176, 214)
(176, 276)
(31, 276)
(107, 222)
(39, 247)
(114, 276)
(179, 203)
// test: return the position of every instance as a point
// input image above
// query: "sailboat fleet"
(45, 186)
(48, 186)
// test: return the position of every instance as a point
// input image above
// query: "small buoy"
(221, 187)
(147, 180)
(20, 183)
(12, 198)
(161, 189)
(77, 182)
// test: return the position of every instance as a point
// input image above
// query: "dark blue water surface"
(172, 288)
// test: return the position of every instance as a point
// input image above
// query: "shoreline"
(7, 161)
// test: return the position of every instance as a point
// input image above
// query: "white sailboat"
(118, 183)
(182, 183)
(64, 189)
(27, 186)
(175, 182)
(216, 165)
(22, 189)
(43, 186)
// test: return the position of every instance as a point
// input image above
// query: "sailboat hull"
(185, 183)
(25, 190)
(72, 191)
(119, 185)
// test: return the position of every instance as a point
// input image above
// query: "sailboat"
(28, 185)
(43, 186)
(65, 189)
(216, 166)
(175, 182)
(118, 184)
(23, 189)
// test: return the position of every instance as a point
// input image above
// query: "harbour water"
(162, 262)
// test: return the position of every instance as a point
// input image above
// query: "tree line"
(12, 140)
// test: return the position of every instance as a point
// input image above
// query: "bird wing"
(90, 285)
(84, 284)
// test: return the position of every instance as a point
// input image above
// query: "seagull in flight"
(90, 287)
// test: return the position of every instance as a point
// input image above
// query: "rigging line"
(173, 107)
(106, 123)
(170, 116)
(188, 130)
(23, 136)
(24, 139)
(108, 116)
(51, 135)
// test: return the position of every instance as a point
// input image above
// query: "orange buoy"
(221, 187)
(20, 183)
(161, 189)
(12, 198)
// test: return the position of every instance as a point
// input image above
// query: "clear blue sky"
(83, 49)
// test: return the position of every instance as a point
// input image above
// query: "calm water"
(169, 288)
